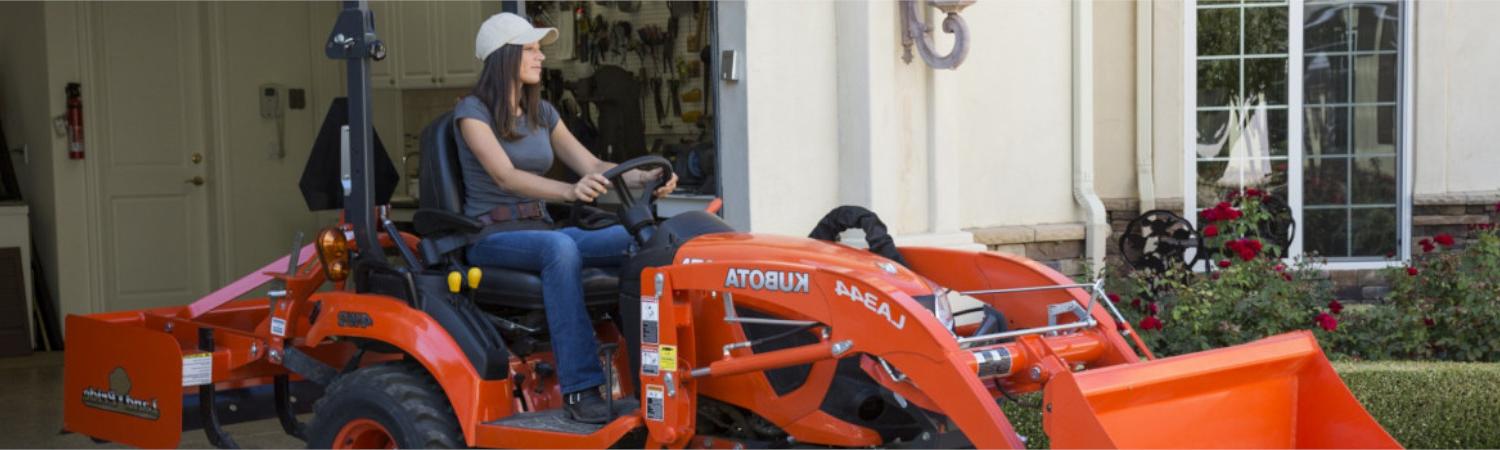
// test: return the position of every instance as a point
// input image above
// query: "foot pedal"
(556, 420)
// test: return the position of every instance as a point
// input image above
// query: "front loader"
(713, 338)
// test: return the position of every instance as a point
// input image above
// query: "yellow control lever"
(474, 275)
(455, 281)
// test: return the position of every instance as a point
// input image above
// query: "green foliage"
(1430, 404)
(1445, 305)
(1421, 404)
(1249, 294)
(1244, 302)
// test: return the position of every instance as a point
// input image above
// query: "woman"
(511, 138)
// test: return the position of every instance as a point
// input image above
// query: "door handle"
(195, 181)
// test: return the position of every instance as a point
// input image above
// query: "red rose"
(1211, 230)
(1326, 322)
(1224, 264)
(1444, 238)
(1135, 303)
(1411, 271)
(1151, 308)
(1428, 321)
(1279, 268)
(1214, 275)
(1113, 298)
(1151, 323)
(1335, 306)
(1286, 276)
(1253, 192)
(1209, 215)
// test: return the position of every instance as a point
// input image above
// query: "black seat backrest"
(442, 181)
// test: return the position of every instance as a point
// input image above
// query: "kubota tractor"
(725, 340)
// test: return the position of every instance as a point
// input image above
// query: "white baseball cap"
(508, 28)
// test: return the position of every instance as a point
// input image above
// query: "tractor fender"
(392, 321)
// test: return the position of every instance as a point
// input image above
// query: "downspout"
(1145, 177)
(1096, 231)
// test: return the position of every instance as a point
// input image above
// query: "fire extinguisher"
(75, 121)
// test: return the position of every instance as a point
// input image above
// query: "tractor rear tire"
(393, 404)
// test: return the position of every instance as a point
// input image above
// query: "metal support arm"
(917, 32)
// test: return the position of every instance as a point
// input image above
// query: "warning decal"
(655, 402)
(197, 369)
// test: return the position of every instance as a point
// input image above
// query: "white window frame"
(1295, 145)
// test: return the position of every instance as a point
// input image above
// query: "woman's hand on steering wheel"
(646, 176)
(589, 187)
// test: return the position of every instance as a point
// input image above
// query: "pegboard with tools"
(628, 65)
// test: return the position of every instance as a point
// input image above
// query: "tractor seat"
(442, 189)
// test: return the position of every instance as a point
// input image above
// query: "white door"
(148, 122)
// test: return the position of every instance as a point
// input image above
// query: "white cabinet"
(385, 29)
(431, 44)
(457, 23)
(415, 45)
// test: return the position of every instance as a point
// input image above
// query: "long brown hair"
(497, 83)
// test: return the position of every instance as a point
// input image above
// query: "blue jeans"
(560, 255)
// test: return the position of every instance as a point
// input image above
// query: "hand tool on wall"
(676, 104)
(661, 114)
(669, 46)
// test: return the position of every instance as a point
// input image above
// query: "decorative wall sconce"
(919, 33)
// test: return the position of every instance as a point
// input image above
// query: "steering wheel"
(635, 209)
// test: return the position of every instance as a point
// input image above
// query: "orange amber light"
(333, 249)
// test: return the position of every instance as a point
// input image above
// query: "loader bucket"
(1278, 392)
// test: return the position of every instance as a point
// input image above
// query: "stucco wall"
(1015, 107)
(792, 122)
(835, 117)
(1456, 146)
(1115, 97)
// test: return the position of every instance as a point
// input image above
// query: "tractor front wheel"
(392, 405)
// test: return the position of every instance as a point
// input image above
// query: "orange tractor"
(725, 339)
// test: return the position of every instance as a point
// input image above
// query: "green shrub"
(1421, 404)
(1430, 404)
(1444, 305)
(1182, 312)
(1247, 294)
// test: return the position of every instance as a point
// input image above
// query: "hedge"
(1422, 404)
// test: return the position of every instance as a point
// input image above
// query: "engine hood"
(751, 248)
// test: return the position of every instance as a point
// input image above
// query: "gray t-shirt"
(531, 153)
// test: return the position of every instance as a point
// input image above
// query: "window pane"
(1217, 178)
(1326, 232)
(1265, 30)
(1374, 130)
(1325, 28)
(1266, 76)
(1326, 131)
(1374, 180)
(1276, 125)
(1218, 82)
(1374, 232)
(1325, 79)
(1214, 132)
(1375, 78)
(1325, 181)
(1377, 25)
(1218, 31)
